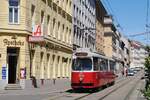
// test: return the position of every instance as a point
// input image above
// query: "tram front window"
(80, 64)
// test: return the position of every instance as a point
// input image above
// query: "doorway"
(12, 60)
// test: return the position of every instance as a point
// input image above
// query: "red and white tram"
(91, 70)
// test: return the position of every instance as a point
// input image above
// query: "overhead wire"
(112, 12)
(147, 31)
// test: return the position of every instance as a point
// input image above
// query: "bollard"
(34, 82)
(54, 81)
(42, 81)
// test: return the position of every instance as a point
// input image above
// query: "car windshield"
(130, 71)
(82, 64)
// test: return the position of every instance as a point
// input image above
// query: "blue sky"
(130, 14)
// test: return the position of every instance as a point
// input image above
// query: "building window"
(63, 29)
(48, 24)
(32, 10)
(14, 11)
(69, 36)
(66, 35)
(58, 36)
(54, 23)
(42, 17)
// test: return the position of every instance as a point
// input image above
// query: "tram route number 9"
(81, 54)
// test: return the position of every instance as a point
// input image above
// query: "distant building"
(138, 54)
(126, 51)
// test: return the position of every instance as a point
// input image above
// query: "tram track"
(79, 95)
(72, 96)
(115, 89)
(122, 80)
(132, 89)
(120, 86)
(130, 92)
(99, 91)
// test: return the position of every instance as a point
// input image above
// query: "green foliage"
(147, 48)
(147, 63)
(147, 93)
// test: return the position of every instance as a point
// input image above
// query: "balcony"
(108, 20)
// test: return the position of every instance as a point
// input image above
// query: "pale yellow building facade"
(23, 55)
(108, 41)
(99, 37)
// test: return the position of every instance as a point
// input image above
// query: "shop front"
(12, 60)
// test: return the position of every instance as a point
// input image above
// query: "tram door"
(12, 58)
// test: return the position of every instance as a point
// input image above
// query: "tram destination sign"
(81, 54)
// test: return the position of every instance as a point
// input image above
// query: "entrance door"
(12, 56)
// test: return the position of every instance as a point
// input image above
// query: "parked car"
(138, 68)
(135, 71)
(130, 72)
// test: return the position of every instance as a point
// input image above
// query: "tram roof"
(92, 54)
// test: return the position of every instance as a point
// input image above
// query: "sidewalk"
(59, 86)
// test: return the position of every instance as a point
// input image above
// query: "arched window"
(54, 22)
(58, 30)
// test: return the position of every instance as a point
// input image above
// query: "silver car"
(130, 72)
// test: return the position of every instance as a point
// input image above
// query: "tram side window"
(106, 65)
(102, 64)
(95, 62)
(112, 65)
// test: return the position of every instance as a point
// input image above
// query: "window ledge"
(14, 23)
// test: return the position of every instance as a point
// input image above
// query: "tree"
(147, 48)
(147, 72)
(147, 63)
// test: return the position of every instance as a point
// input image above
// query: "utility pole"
(147, 22)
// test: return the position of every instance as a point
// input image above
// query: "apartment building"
(138, 54)
(84, 24)
(118, 53)
(100, 14)
(109, 36)
(36, 40)
(113, 45)
(126, 51)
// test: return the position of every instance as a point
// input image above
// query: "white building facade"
(84, 19)
(138, 55)
(126, 51)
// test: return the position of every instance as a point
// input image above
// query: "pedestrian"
(122, 72)
(126, 72)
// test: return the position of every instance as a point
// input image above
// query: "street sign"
(37, 30)
(22, 73)
(3, 73)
